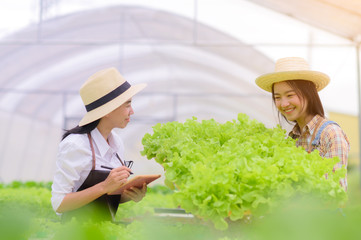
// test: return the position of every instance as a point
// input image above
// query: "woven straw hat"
(292, 68)
(105, 91)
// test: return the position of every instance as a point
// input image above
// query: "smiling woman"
(291, 106)
(294, 90)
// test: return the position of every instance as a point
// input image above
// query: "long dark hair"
(83, 129)
(306, 91)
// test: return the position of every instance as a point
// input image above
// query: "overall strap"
(316, 141)
(314, 135)
(92, 148)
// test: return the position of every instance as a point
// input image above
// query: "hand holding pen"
(116, 178)
(110, 168)
(127, 164)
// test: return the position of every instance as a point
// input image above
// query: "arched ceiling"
(43, 66)
(155, 47)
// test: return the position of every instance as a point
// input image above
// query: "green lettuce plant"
(224, 171)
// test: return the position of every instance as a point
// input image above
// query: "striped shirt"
(333, 142)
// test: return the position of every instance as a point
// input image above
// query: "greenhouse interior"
(200, 60)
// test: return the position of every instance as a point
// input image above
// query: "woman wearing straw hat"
(81, 184)
(294, 89)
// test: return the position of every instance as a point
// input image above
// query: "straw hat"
(292, 68)
(105, 91)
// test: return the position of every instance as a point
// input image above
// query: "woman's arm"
(75, 200)
(334, 143)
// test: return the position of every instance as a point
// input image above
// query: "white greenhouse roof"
(342, 18)
(44, 66)
(198, 57)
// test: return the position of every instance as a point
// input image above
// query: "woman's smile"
(288, 110)
(289, 103)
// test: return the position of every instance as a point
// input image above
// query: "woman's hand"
(135, 194)
(74, 200)
(115, 179)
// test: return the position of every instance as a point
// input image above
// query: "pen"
(110, 168)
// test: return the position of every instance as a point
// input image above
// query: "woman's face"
(290, 104)
(120, 117)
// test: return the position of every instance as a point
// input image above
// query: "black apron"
(103, 208)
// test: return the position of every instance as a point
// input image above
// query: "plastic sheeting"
(41, 77)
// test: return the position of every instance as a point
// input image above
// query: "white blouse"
(74, 161)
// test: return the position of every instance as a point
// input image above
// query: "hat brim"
(111, 105)
(266, 81)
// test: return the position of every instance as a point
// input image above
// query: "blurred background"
(199, 58)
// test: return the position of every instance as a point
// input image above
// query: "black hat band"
(108, 97)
